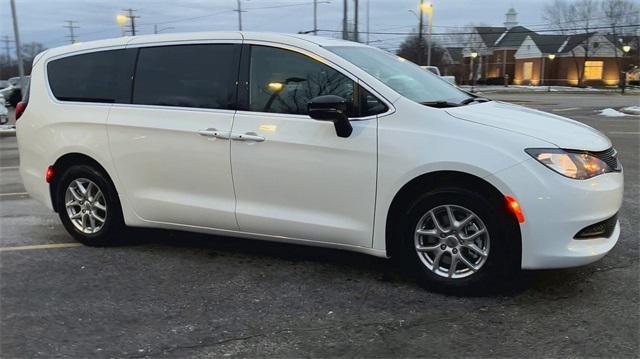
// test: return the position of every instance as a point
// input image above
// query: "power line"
(483, 33)
(71, 27)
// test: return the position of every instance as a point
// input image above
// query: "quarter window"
(284, 81)
(201, 76)
(103, 76)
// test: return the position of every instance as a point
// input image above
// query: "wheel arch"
(437, 180)
(64, 162)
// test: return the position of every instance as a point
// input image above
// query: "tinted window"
(187, 75)
(370, 105)
(103, 76)
(283, 81)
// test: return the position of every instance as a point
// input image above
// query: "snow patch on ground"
(609, 112)
(632, 110)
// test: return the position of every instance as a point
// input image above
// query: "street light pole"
(623, 74)
(368, 19)
(420, 31)
(473, 73)
(430, 11)
(16, 34)
(315, 17)
(551, 57)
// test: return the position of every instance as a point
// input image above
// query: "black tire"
(502, 264)
(14, 98)
(112, 230)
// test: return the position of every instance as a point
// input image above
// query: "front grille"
(598, 230)
(610, 157)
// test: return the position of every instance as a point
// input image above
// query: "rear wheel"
(459, 242)
(88, 206)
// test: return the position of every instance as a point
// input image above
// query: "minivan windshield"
(405, 77)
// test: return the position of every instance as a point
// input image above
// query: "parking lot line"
(565, 109)
(9, 168)
(13, 194)
(623, 133)
(40, 246)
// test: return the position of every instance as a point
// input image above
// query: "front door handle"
(212, 132)
(249, 136)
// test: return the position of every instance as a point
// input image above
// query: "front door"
(293, 176)
(171, 147)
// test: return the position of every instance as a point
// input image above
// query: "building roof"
(513, 37)
(455, 53)
(549, 44)
(498, 36)
(574, 40)
(490, 34)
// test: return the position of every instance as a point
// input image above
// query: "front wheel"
(88, 206)
(459, 242)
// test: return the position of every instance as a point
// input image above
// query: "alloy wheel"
(86, 205)
(452, 241)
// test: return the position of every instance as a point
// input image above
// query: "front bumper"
(556, 208)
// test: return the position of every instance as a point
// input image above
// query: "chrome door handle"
(249, 136)
(212, 132)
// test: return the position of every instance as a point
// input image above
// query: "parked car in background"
(436, 71)
(4, 113)
(13, 92)
(332, 143)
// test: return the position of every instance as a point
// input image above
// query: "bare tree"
(622, 16)
(412, 50)
(574, 18)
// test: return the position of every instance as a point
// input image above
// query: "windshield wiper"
(474, 99)
(440, 104)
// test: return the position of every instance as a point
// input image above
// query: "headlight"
(572, 164)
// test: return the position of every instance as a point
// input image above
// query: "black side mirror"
(331, 108)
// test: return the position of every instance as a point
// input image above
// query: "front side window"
(103, 76)
(284, 81)
(200, 76)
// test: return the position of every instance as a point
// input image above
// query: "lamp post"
(428, 8)
(121, 20)
(473, 73)
(550, 57)
(623, 74)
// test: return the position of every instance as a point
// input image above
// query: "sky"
(43, 20)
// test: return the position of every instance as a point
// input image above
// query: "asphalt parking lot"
(173, 294)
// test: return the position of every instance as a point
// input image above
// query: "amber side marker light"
(514, 206)
(48, 175)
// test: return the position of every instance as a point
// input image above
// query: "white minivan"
(314, 141)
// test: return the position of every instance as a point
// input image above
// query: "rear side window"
(187, 75)
(103, 76)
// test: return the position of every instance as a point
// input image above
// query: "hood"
(560, 131)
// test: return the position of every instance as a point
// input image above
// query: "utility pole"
(315, 17)
(71, 27)
(430, 9)
(132, 20)
(16, 33)
(420, 31)
(239, 10)
(368, 19)
(7, 48)
(345, 31)
(356, 35)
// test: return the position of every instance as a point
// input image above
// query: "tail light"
(20, 107)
